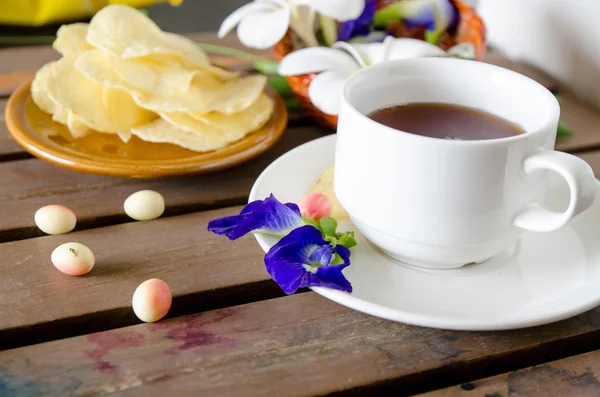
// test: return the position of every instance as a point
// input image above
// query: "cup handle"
(582, 184)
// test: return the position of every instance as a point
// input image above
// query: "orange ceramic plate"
(106, 154)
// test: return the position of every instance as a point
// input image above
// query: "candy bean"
(73, 259)
(55, 219)
(152, 300)
(144, 205)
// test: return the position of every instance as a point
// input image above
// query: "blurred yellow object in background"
(42, 12)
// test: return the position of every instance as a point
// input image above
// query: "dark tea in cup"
(446, 121)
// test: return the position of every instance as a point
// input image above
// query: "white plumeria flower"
(337, 63)
(263, 23)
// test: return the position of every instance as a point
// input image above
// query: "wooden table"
(231, 331)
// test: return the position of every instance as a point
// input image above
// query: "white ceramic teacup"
(445, 203)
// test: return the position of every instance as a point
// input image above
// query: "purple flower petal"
(303, 259)
(322, 255)
(423, 15)
(360, 26)
(267, 216)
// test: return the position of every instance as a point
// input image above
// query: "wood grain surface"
(302, 345)
(583, 120)
(97, 200)
(203, 271)
(231, 331)
(9, 149)
(574, 376)
(496, 57)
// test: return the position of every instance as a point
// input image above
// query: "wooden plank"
(497, 58)
(30, 184)
(583, 120)
(9, 149)
(203, 270)
(303, 345)
(573, 376)
(593, 159)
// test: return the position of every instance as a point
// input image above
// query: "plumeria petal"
(325, 91)
(303, 24)
(410, 48)
(265, 28)
(463, 50)
(365, 54)
(373, 37)
(295, 262)
(267, 216)
(236, 17)
(314, 60)
(360, 26)
(351, 49)
(341, 10)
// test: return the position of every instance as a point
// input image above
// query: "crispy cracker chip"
(125, 136)
(94, 65)
(127, 33)
(248, 120)
(71, 40)
(76, 126)
(151, 77)
(162, 131)
(120, 70)
(207, 94)
(39, 92)
(324, 185)
(61, 115)
(86, 98)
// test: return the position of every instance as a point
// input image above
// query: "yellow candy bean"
(144, 205)
(55, 219)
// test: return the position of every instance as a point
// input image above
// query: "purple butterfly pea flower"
(360, 26)
(424, 15)
(267, 216)
(304, 259)
(436, 16)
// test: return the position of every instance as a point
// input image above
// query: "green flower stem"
(22, 40)
(393, 12)
(220, 50)
(280, 84)
(293, 105)
(563, 130)
(266, 67)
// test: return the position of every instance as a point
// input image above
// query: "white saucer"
(544, 278)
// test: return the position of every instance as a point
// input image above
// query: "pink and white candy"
(315, 206)
(73, 259)
(152, 300)
(55, 219)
